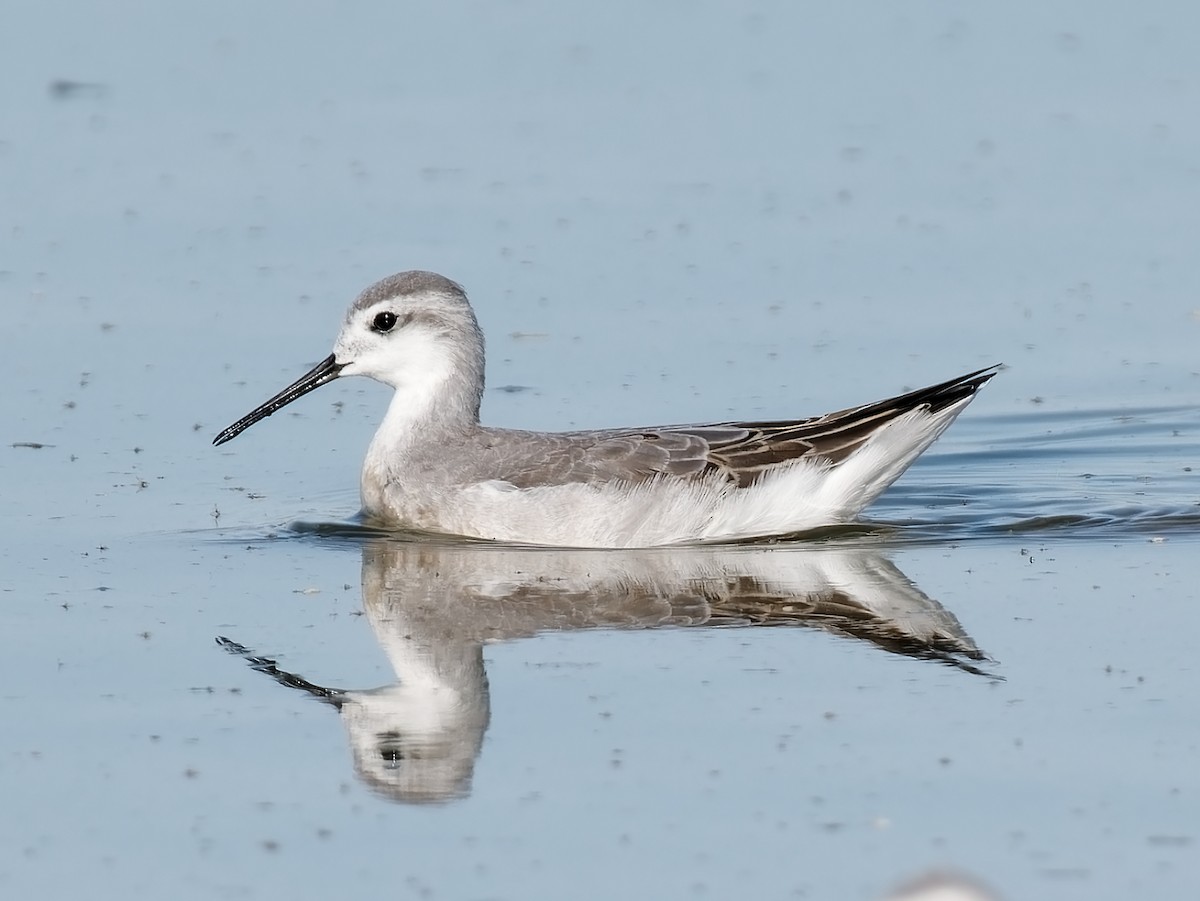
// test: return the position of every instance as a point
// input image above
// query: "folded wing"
(739, 452)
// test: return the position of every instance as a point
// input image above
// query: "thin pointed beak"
(325, 371)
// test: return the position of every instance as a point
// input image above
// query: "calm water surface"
(216, 686)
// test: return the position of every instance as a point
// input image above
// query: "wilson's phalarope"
(431, 465)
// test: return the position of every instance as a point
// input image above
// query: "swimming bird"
(433, 467)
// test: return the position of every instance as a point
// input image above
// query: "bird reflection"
(432, 607)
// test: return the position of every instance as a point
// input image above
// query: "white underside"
(792, 498)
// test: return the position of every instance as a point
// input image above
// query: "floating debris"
(68, 89)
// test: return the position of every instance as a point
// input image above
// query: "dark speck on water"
(67, 89)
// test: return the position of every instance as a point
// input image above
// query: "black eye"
(384, 322)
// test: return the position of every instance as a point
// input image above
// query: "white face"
(407, 342)
(416, 341)
(380, 342)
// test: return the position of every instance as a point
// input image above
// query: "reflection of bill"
(433, 605)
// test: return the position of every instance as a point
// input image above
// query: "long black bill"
(325, 371)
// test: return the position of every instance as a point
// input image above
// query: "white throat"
(436, 395)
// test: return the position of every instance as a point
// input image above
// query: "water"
(662, 215)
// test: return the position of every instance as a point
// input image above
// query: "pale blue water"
(666, 213)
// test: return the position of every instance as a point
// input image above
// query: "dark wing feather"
(752, 448)
(736, 451)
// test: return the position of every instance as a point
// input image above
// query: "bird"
(432, 467)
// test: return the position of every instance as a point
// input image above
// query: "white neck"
(436, 397)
